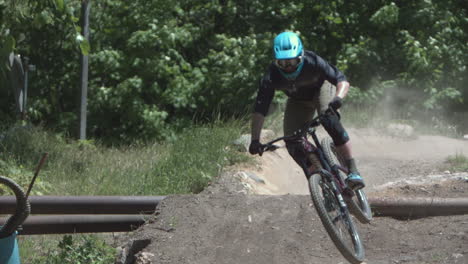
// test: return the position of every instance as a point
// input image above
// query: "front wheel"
(336, 219)
(358, 204)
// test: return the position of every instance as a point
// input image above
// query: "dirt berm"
(262, 214)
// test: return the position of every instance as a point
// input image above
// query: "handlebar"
(308, 127)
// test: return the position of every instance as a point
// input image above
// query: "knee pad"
(335, 129)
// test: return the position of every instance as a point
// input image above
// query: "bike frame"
(331, 183)
(331, 173)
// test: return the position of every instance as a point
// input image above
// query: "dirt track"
(229, 223)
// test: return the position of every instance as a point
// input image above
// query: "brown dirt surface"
(448, 188)
(256, 214)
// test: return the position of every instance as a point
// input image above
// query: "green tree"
(155, 67)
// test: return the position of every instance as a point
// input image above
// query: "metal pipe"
(85, 204)
(417, 207)
(65, 224)
(384, 206)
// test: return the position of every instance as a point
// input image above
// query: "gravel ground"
(255, 215)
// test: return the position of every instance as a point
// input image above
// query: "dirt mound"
(441, 186)
(381, 159)
(286, 229)
(229, 223)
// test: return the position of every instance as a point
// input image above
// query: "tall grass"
(68, 249)
(457, 162)
(184, 165)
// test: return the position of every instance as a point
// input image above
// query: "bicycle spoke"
(342, 226)
(345, 234)
(336, 218)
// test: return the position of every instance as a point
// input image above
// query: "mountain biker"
(311, 84)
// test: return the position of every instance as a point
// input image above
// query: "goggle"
(283, 64)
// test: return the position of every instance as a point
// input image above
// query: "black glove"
(336, 103)
(256, 147)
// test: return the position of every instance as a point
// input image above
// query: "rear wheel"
(358, 204)
(336, 219)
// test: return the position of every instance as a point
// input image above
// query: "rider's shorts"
(298, 112)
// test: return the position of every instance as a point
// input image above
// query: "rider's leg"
(297, 113)
(340, 137)
(345, 151)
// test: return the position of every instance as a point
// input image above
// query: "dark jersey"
(306, 86)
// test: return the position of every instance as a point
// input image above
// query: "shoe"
(355, 181)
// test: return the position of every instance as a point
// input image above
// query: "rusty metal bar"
(36, 173)
(70, 224)
(383, 206)
(85, 204)
(418, 207)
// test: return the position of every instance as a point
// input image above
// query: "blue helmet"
(288, 52)
(287, 45)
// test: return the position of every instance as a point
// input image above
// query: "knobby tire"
(353, 253)
(358, 205)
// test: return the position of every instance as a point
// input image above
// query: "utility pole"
(17, 81)
(25, 88)
(19, 75)
(85, 8)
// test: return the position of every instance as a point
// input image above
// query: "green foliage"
(182, 165)
(457, 162)
(386, 16)
(154, 66)
(27, 144)
(87, 250)
(23, 177)
(179, 169)
(417, 44)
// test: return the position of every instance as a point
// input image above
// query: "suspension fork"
(319, 151)
(335, 169)
(328, 177)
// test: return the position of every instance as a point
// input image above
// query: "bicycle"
(332, 198)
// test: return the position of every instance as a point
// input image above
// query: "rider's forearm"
(342, 89)
(257, 124)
